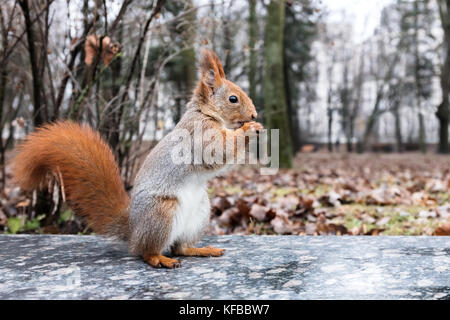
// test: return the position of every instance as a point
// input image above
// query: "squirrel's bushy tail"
(85, 165)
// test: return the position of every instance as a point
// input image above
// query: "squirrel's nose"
(254, 116)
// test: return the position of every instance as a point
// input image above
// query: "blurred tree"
(181, 69)
(228, 31)
(345, 76)
(300, 30)
(253, 28)
(7, 14)
(37, 44)
(357, 97)
(345, 92)
(417, 46)
(331, 92)
(382, 70)
(275, 106)
(443, 111)
(385, 70)
(395, 97)
(3, 79)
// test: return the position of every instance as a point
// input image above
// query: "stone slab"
(253, 267)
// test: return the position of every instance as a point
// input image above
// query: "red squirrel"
(168, 208)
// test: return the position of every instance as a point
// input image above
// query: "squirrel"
(168, 207)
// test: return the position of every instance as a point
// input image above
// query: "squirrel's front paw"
(252, 126)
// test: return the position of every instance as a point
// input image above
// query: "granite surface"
(253, 267)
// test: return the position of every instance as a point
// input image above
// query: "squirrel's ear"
(211, 69)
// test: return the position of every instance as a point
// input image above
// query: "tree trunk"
(292, 112)
(443, 111)
(358, 85)
(417, 80)
(443, 117)
(187, 64)
(252, 40)
(227, 44)
(370, 123)
(38, 115)
(345, 101)
(398, 125)
(330, 128)
(422, 136)
(3, 77)
(274, 87)
(110, 126)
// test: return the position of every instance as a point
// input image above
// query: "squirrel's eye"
(233, 99)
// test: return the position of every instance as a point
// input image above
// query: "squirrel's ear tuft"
(211, 69)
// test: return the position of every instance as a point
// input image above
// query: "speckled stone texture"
(253, 267)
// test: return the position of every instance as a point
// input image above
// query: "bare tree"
(443, 111)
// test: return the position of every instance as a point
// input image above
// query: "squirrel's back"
(86, 169)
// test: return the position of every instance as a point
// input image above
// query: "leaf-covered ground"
(370, 194)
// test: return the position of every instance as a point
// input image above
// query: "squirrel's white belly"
(192, 214)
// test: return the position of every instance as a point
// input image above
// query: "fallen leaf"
(383, 221)
(444, 230)
(219, 204)
(231, 216)
(282, 225)
(259, 212)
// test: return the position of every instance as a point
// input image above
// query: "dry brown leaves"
(315, 197)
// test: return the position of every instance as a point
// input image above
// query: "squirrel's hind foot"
(158, 261)
(200, 252)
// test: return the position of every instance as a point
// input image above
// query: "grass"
(394, 220)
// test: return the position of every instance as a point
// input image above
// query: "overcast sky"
(365, 14)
